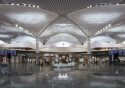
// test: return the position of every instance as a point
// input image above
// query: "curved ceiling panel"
(21, 19)
(123, 42)
(116, 31)
(103, 38)
(9, 31)
(95, 18)
(63, 25)
(63, 6)
(23, 38)
(1, 42)
(7, 28)
(29, 18)
(63, 37)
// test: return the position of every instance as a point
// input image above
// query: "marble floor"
(103, 75)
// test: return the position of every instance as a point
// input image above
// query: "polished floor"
(102, 75)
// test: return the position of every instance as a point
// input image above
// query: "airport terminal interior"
(62, 43)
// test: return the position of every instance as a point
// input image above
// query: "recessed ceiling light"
(63, 25)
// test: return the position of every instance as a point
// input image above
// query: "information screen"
(120, 52)
(4, 52)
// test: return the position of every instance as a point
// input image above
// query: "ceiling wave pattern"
(94, 19)
(73, 18)
(63, 37)
(29, 18)
(63, 6)
(63, 25)
(117, 31)
(9, 31)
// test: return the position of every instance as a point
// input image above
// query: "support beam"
(37, 50)
(77, 26)
(37, 44)
(47, 26)
(88, 49)
(88, 45)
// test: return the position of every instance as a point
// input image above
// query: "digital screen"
(111, 52)
(120, 52)
(13, 52)
(4, 52)
(1, 52)
(123, 52)
(115, 51)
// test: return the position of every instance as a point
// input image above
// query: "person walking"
(9, 56)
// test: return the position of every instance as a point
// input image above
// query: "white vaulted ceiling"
(22, 38)
(94, 19)
(31, 19)
(56, 21)
(103, 38)
(116, 31)
(63, 25)
(63, 37)
(63, 6)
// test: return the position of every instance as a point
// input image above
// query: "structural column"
(37, 49)
(88, 49)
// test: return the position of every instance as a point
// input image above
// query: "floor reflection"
(19, 75)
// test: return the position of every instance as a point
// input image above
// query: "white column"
(37, 45)
(37, 48)
(88, 45)
(88, 48)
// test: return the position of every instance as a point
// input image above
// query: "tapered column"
(88, 45)
(37, 49)
(37, 45)
(88, 49)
